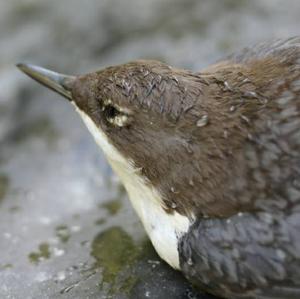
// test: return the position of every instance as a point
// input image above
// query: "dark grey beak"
(60, 83)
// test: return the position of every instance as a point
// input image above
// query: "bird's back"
(255, 253)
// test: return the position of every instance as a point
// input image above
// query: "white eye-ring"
(119, 120)
(115, 115)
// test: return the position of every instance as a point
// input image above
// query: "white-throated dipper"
(210, 161)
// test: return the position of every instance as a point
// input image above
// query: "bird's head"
(151, 120)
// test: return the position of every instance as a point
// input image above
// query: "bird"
(210, 160)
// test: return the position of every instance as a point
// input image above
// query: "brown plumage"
(238, 98)
(222, 147)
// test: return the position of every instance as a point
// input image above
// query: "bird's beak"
(60, 83)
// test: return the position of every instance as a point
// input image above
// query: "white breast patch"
(162, 228)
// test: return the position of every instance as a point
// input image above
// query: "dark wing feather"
(246, 256)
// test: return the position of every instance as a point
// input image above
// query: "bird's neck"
(163, 229)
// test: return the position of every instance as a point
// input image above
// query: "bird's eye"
(111, 112)
(115, 115)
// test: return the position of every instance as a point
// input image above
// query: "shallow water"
(67, 229)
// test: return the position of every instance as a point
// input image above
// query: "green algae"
(14, 209)
(6, 266)
(41, 127)
(42, 254)
(4, 185)
(63, 233)
(115, 253)
(100, 221)
(233, 4)
(113, 206)
(27, 9)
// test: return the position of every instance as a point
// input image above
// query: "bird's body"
(210, 161)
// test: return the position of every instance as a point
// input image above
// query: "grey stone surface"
(67, 229)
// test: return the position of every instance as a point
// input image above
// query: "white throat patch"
(163, 229)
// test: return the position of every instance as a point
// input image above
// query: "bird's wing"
(252, 255)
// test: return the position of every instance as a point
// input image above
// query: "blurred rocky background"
(67, 229)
